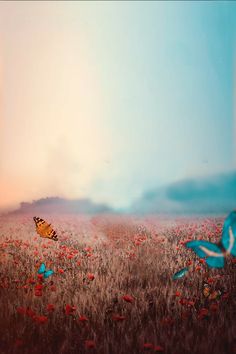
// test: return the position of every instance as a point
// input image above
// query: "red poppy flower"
(61, 271)
(183, 301)
(128, 298)
(19, 342)
(90, 344)
(203, 313)
(69, 310)
(90, 276)
(83, 319)
(177, 294)
(38, 287)
(202, 261)
(118, 318)
(41, 319)
(16, 281)
(38, 293)
(131, 255)
(214, 307)
(40, 277)
(191, 303)
(225, 296)
(210, 280)
(147, 346)
(30, 313)
(50, 307)
(78, 263)
(21, 310)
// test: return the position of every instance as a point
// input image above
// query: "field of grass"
(112, 290)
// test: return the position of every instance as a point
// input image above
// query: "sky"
(108, 100)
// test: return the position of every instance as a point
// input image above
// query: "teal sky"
(110, 99)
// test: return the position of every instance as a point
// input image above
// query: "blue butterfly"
(46, 273)
(214, 255)
(180, 274)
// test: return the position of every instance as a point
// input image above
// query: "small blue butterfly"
(180, 274)
(214, 255)
(46, 273)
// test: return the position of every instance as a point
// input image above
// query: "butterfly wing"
(42, 269)
(229, 234)
(40, 226)
(44, 229)
(206, 290)
(215, 295)
(210, 251)
(50, 233)
(48, 273)
(180, 274)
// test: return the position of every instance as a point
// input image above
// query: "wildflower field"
(112, 290)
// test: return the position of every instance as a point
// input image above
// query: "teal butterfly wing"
(42, 269)
(228, 239)
(180, 274)
(208, 250)
(48, 273)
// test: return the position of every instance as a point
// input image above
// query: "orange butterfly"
(209, 293)
(44, 229)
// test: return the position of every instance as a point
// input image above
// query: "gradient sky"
(110, 99)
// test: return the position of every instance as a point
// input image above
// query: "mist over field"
(215, 195)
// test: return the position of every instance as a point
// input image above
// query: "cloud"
(208, 195)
